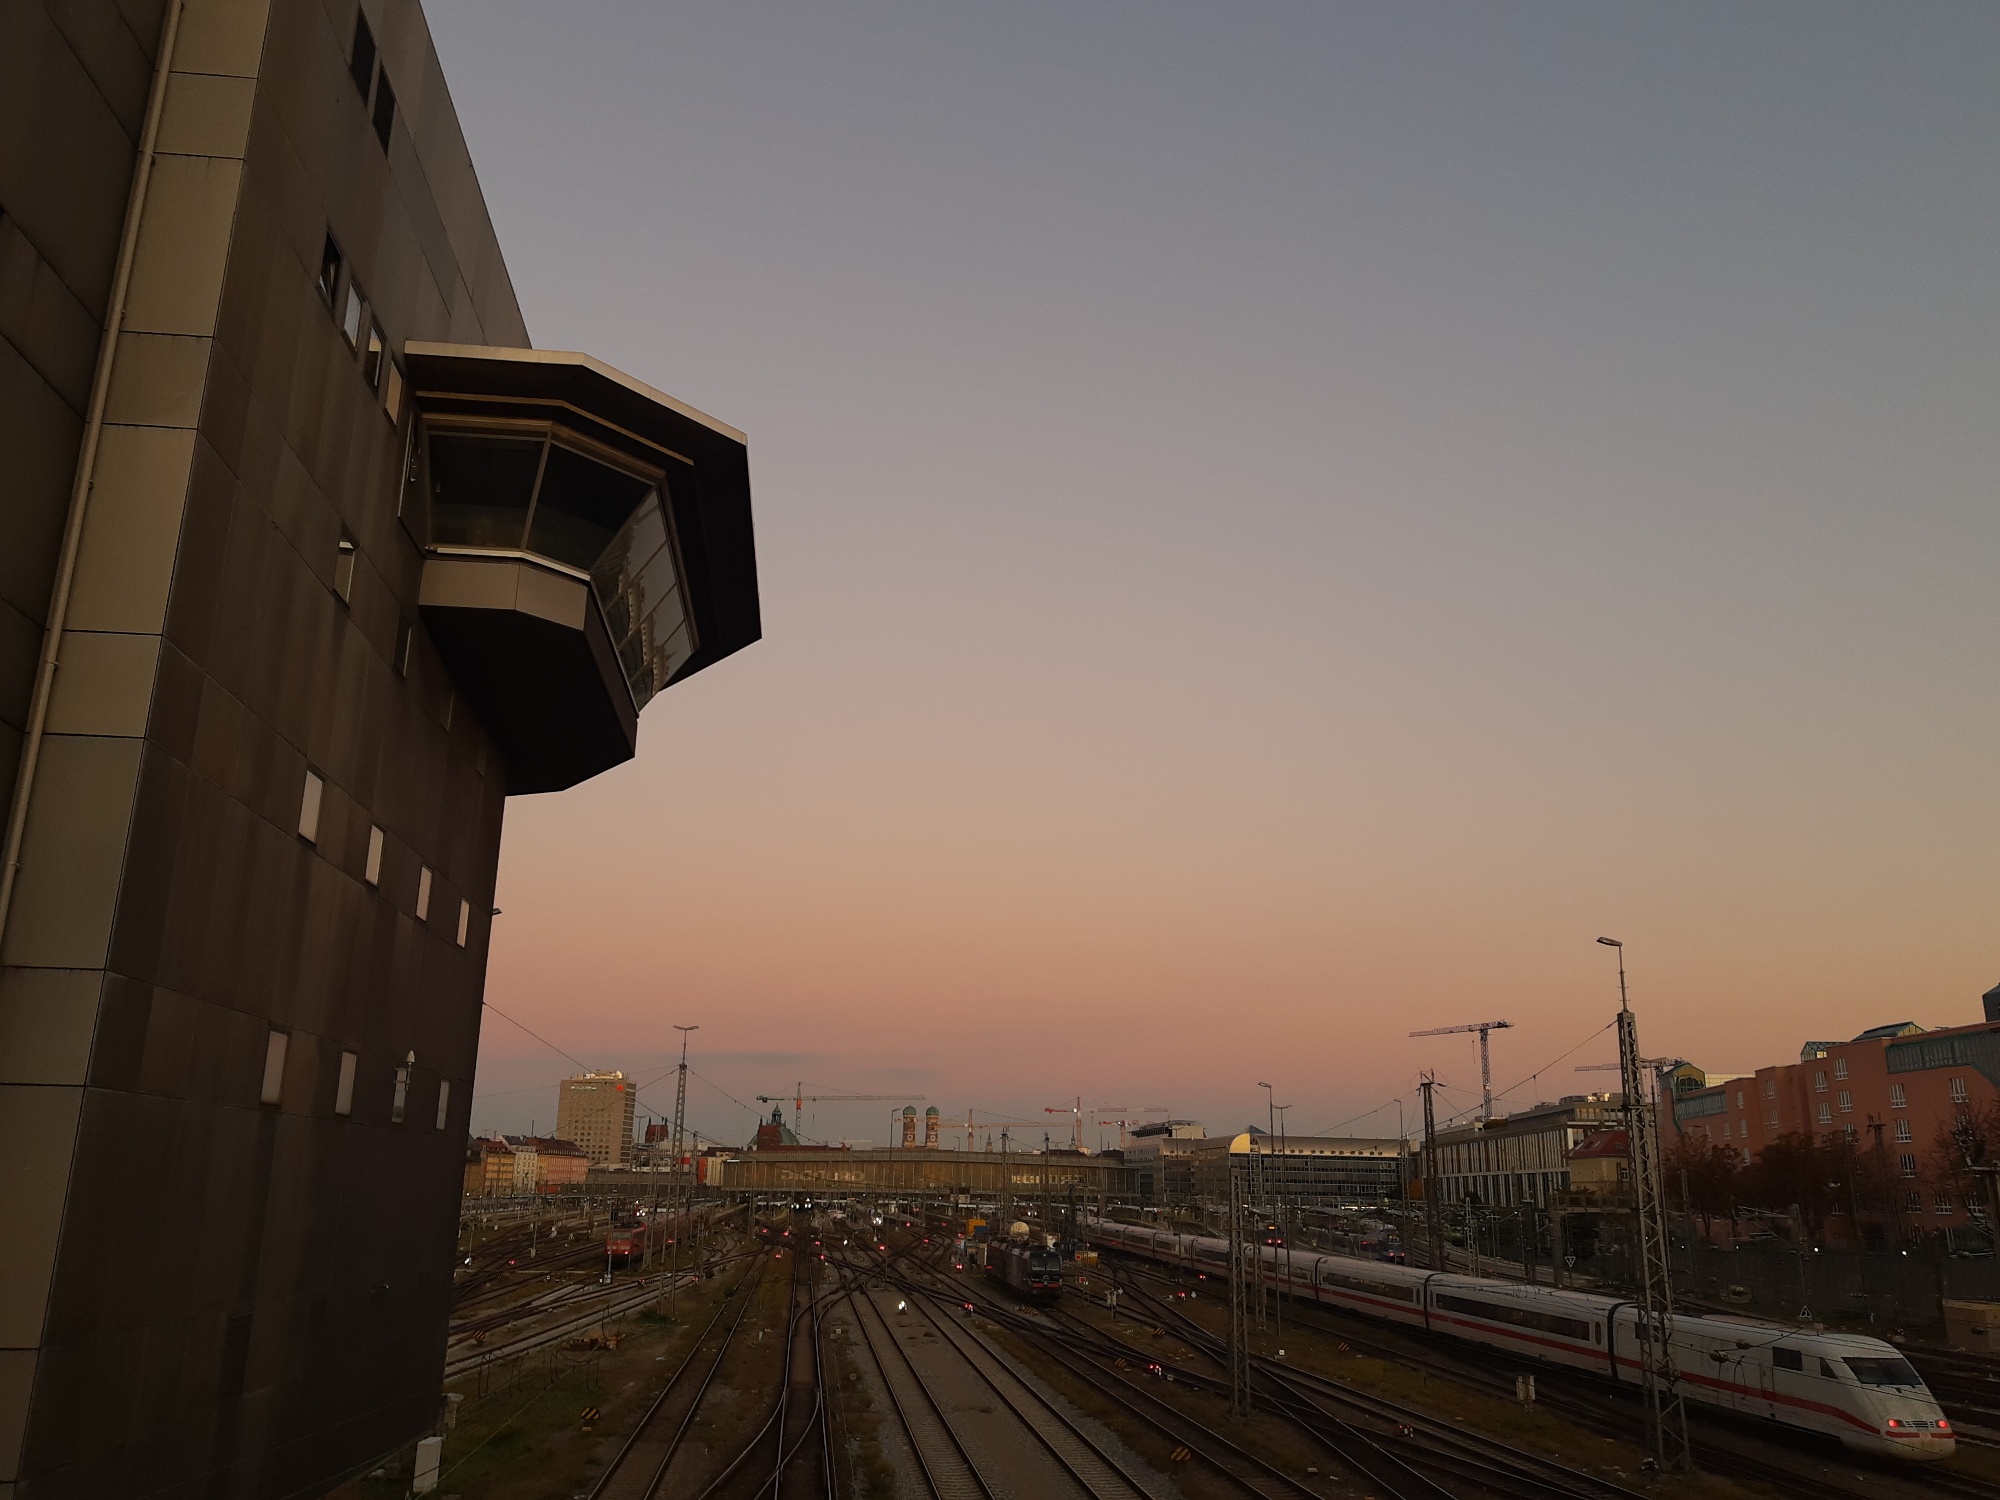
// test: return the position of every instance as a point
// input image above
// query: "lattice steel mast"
(1239, 1302)
(1432, 1225)
(1666, 1413)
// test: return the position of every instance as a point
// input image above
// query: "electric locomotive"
(1840, 1385)
(1031, 1272)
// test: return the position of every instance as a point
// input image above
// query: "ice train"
(1842, 1385)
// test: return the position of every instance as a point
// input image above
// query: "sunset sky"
(1278, 525)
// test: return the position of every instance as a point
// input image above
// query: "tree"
(1811, 1175)
(1965, 1153)
(1711, 1176)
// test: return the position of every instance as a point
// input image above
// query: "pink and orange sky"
(1278, 527)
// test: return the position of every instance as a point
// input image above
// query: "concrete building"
(1305, 1171)
(307, 562)
(915, 1172)
(1160, 1157)
(1518, 1158)
(596, 1110)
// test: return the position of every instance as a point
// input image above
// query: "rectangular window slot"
(1903, 1135)
(1908, 1164)
(371, 358)
(392, 389)
(1840, 1067)
(385, 108)
(1846, 1102)
(405, 644)
(1897, 1099)
(273, 1091)
(464, 921)
(361, 61)
(444, 1101)
(424, 894)
(330, 260)
(343, 570)
(372, 871)
(401, 1101)
(351, 312)
(309, 802)
(343, 1093)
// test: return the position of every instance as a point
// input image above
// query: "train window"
(1787, 1359)
(1830, 1368)
(1520, 1317)
(1872, 1371)
(1373, 1288)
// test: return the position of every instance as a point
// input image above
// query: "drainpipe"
(86, 466)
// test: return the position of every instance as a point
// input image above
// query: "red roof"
(1605, 1143)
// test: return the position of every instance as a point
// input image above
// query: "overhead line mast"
(1666, 1413)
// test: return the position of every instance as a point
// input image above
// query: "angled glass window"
(372, 871)
(371, 358)
(481, 487)
(275, 1046)
(330, 260)
(361, 61)
(343, 570)
(424, 894)
(309, 801)
(444, 1102)
(385, 108)
(581, 506)
(350, 314)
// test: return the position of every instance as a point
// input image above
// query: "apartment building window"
(309, 800)
(1826, 1114)
(1903, 1136)
(385, 108)
(1846, 1102)
(392, 388)
(1896, 1097)
(361, 61)
(1840, 1067)
(1941, 1201)
(343, 1091)
(444, 1101)
(372, 871)
(273, 1091)
(330, 262)
(351, 312)
(1771, 1120)
(424, 894)
(1819, 1083)
(1743, 1129)
(1914, 1200)
(343, 570)
(464, 921)
(401, 1101)
(1739, 1098)
(1958, 1094)
(1770, 1088)
(1908, 1165)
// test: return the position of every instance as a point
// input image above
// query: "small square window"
(343, 1093)
(464, 921)
(351, 313)
(343, 570)
(309, 802)
(275, 1046)
(361, 61)
(385, 108)
(444, 1101)
(330, 260)
(392, 388)
(424, 894)
(372, 871)
(371, 358)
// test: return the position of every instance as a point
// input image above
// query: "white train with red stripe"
(1841, 1385)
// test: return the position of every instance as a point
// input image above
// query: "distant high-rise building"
(308, 561)
(595, 1110)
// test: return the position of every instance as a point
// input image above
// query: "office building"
(308, 561)
(596, 1111)
(1303, 1171)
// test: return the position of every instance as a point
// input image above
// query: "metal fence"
(1888, 1290)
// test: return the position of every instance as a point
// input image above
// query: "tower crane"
(800, 1098)
(1485, 1059)
(1130, 1116)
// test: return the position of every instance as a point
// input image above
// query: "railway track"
(977, 1430)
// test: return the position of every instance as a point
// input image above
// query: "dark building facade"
(307, 562)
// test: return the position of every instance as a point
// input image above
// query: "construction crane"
(1075, 1112)
(1130, 1117)
(1485, 1057)
(989, 1126)
(800, 1099)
